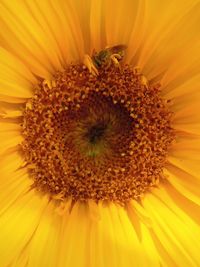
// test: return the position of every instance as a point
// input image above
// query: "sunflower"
(99, 133)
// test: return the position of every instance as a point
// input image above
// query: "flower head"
(99, 150)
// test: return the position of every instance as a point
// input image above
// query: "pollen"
(104, 137)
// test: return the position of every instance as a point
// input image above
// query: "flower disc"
(101, 137)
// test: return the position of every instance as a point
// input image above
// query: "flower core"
(101, 137)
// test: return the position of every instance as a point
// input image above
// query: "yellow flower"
(39, 39)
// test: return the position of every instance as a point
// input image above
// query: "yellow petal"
(182, 80)
(45, 244)
(119, 20)
(19, 222)
(8, 126)
(187, 199)
(186, 148)
(75, 237)
(170, 31)
(106, 240)
(22, 36)
(16, 81)
(186, 109)
(97, 29)
(77, 15)
(185, 105)
(142, 224)
(137, 32)
(125, 239)
(174, 228)
(12, 114)
(9, 163)
(9, 139)
(190, 166)
(40, 34)
(21, 259)
(185, 154)
(12, 100)
(13, 188)
(184, 183)
(13, 180)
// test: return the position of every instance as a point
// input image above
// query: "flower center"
(95, 128)
(100, 138)
(95, 133)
